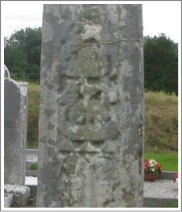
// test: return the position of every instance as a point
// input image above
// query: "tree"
(161, 64)
(22, 54)
(22, 57)
(15, 59)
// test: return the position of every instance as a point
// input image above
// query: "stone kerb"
(15, 130)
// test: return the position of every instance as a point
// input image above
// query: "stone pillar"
(91, 111)
(15, 130)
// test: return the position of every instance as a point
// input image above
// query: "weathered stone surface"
(91, 112)
(21, 195)
(15, 131)
(6, 72)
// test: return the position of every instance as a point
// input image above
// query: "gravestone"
(15, 130)
(6, 72)
(91, 111)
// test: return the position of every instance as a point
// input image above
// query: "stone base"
(168, 175)
(8, 200)
(21, 195)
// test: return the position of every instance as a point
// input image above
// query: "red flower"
(175, 176)
(159, 167)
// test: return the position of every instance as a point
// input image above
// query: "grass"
(161, 121)
(34, 166)
(171, 204)
(168, 160)
(33, 115)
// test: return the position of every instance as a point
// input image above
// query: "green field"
(161, 121)
(168, 160)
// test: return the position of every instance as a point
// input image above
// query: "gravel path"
(165, 189)
(31, 157)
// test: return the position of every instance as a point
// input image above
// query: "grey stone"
(8, 200)
(32, 173)
(6, 72)
(15, 131)
(167, 175)
(91, 111)
(21, 195)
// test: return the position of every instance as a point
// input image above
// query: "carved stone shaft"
(91, 111)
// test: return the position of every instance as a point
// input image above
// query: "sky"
(158, 16)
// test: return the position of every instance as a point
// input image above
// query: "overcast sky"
(158, 16)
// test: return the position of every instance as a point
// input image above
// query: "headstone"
(15, 131)
(6, 72)
(91, 111)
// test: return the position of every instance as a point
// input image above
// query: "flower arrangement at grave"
(151, 169)
(175, 179)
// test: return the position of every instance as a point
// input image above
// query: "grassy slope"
(161, 121)
(161, 129)
(33, 115)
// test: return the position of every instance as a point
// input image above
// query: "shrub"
(34, 166)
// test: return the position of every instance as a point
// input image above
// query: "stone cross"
(91, 111)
